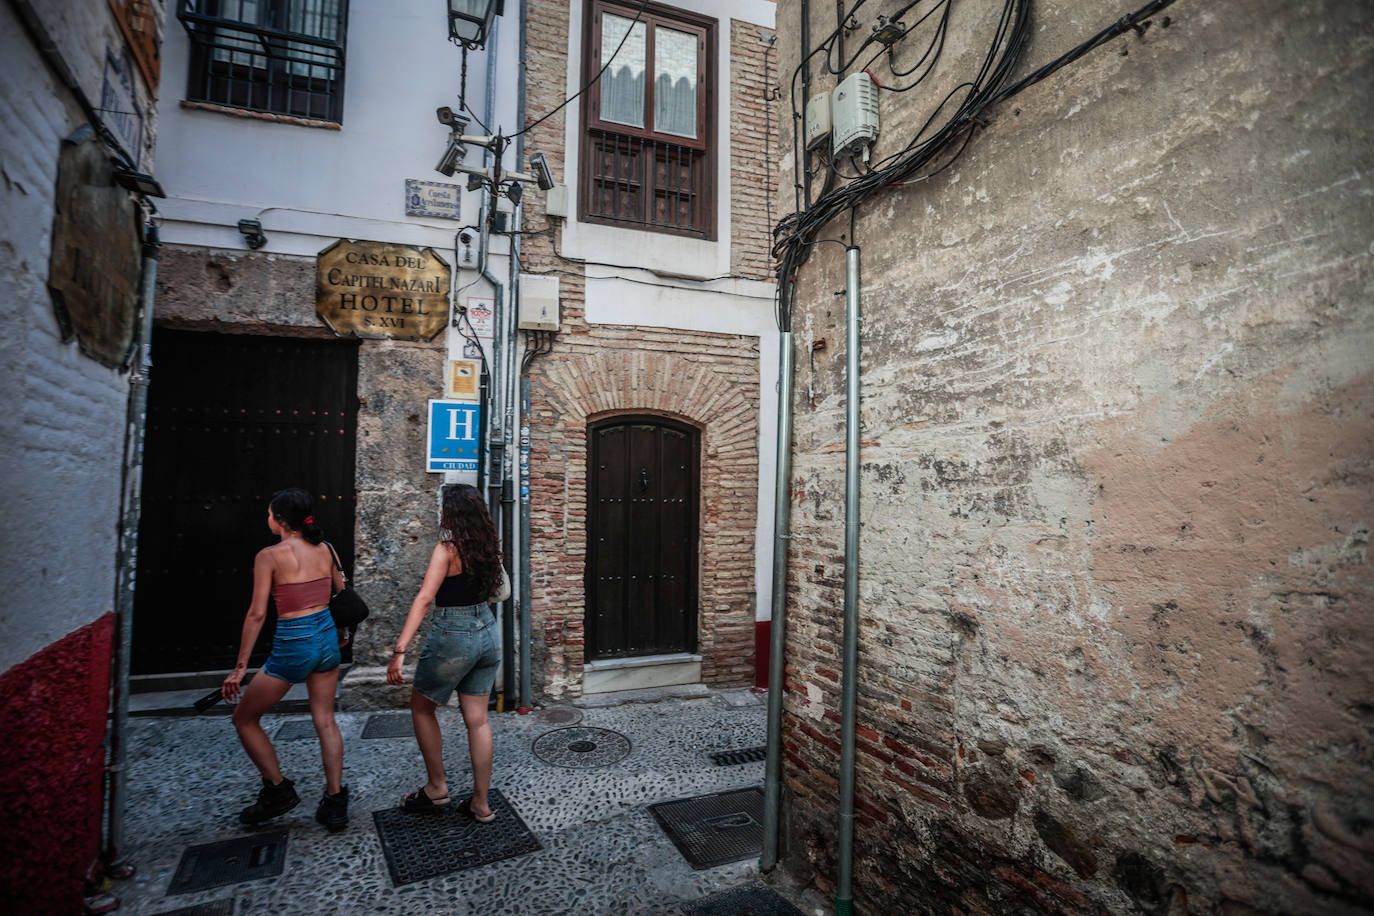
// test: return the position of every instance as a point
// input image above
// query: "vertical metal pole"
(525, 596)
(844, 879)
(772, 780)
(137, 422)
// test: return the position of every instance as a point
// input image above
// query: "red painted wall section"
(52, 717)
(763, 646)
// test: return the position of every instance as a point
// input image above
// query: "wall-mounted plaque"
(433, 198)
(380, 290)
(97, 261)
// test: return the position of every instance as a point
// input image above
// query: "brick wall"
(753, 136)
(1115, 643)
(708, 380)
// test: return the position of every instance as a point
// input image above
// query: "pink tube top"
(297, 596)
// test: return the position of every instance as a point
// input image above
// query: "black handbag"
(346, 607)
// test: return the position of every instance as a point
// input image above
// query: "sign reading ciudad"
(381, 290)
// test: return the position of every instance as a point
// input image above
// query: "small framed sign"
(464, 380)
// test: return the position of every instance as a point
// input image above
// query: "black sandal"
(419, 802)
(466, 808)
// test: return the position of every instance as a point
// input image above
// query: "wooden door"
(642, 538)
(231, 420)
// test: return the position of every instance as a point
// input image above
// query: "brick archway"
(581, 388)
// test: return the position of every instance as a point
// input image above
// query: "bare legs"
(259, 696)
(263, 691)
(431, 741)
(321, 686)
(479, 748)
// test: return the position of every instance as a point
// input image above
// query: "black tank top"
(458, 591)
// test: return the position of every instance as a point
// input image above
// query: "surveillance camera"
(514, 192)
(445, 115)
(465, 236)
(453, 156)
(540, 166)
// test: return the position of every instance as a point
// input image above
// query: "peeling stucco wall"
(1115, 611)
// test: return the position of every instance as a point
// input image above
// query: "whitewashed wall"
(62, 434)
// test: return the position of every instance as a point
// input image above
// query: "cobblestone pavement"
(603, 851)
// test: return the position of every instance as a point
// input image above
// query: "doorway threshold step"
(614, 674)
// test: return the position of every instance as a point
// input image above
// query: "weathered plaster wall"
(232, 292)
(1115, 633)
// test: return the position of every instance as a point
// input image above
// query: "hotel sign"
(380, 290)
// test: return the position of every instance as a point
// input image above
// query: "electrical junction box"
(556, 201)
(538, 303)
(817, 120)
(854, 115)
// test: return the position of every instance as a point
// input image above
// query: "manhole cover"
(295, 730)
(223, 907)
(558, 715)
(581, 747)
(244, 858)
(420, 846)
(714, 829)
(389, 725)
(751, 900)
(743, 755)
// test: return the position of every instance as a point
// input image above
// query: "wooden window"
(280, 56)
(648, 154)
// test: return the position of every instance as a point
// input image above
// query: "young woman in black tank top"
(461, 652)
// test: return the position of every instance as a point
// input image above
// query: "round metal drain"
(580, 747)
(558, 715)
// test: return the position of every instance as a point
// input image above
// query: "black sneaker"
(272, 801)
(333, 810)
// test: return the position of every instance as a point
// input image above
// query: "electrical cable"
(594, 80)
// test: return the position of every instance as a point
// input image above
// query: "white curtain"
(675, 82)
(622, 85)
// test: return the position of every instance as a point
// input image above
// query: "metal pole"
(772, 781)
(844, 891)
(137, 421)
(525, 538)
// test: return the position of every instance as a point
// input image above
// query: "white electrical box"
(854, 115)
(538, 303)
(817, 120)
(556, 201)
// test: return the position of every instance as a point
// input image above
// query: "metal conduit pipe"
(132, 503)
(844, 877)
(522, 595)
(772, 780)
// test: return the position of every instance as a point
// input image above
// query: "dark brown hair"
(291, 508)
(472, 532)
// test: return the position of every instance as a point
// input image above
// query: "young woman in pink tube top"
(300, 575)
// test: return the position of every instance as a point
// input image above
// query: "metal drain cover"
(558, 715)
(743, 755)
(420, 846)
(295, 730)
(714, 829)
(223, 907)
(751, 900)
(581, 747)
(244, 858)
(389, 725)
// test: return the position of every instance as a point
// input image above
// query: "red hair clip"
(310, 519)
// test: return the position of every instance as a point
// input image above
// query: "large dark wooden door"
(642, 536)
(231, 420)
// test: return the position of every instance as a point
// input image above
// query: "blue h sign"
(454, 427)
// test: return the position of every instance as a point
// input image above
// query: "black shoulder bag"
(347, 609)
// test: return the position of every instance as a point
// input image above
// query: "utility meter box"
(817, 120)
(538, 303)
(854, 114)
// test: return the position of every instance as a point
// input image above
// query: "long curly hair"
(469, 529)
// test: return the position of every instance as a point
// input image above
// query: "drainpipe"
(521, 598)
(844, 892)
(525, 593)
(782, 507)
(136, 423)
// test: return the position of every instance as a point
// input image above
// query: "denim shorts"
(460, 652)
(303, 646)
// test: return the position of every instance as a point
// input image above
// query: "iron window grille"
(279, 56)
(648, 154)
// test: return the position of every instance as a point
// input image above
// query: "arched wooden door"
(642, 493)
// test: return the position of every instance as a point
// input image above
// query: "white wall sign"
(433, 198)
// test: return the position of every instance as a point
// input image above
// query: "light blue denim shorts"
(460, 653)
(302, 646)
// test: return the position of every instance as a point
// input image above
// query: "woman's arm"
(252, 623)
(434, 577)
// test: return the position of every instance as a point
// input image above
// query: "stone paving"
(602, 851)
